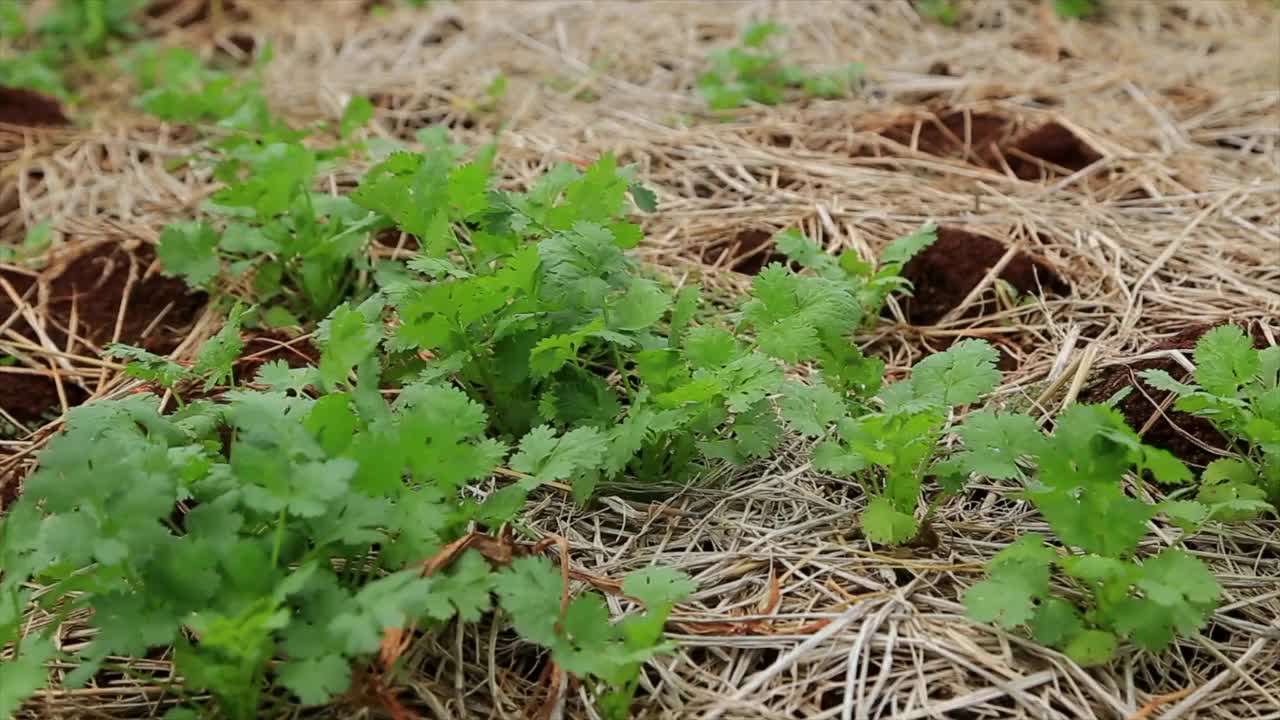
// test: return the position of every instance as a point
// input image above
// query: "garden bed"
(1127, 211)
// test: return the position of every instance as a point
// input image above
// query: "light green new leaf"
(811, 409)
(884, 524)
(357, 112)
(1091, 647)
(549, 458)
(994, 441)
(350, 338)
(658, 586)
(315, 680)
(958, 376)
(22, 676)
(908, 246)
(1225, 360)
(188, 249)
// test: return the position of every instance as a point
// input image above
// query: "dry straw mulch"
(1175, 225)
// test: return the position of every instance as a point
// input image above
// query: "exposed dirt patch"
(991, 140)
(19, 106)
(91, 287)
(748, 252)
(185, 13)
(1180, 433)
(1047, 151)
(945, 272)
(963, 134)
(272, 345)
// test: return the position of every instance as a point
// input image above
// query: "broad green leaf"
(657, 586)
(958, 376)
(357, 112)
(1091, 647)
(883, 523)
(188, 249)
(1225, 360)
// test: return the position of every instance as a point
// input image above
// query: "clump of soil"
(186, 13)
(1054, 146)
(961, 134)
(272, 345)
(944, 274)
(19, 106)
(747, 252)
(158, 313)
(1175, 430)
(984, 139)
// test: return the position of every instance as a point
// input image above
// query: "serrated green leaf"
(22, 676)
(188, 250)
(958, 376)
(908, 246)
(357, 112)
(1225, 360)
(811, 409)
(349, 339)
(883, 523)
(994, 441)
(658, 586)
(1091, 647)
(549, 458)
(315, 680)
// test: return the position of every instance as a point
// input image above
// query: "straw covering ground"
(1150, 211)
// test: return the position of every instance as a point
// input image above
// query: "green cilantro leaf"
(811, 409)
(908, 246)
(22, 676)
(994, 441)
(315, 680)
(188, 249)
(357, 112)
(349, 338)
(1225, 360)
(883, 523)
(549, 458)
(658, 586)
(958, 376)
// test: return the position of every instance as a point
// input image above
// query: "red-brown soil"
(983, 139)
(1054, 146)
(945, 272)
(1175, 430)
(748, 252)
(19, 106)
(158, 313)
(945, 133)
(185, 13)
(272, 345)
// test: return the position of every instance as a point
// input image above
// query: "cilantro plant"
(944, 11)
(62, 43)
(213, 365)
(891, 449)
(754, 73)
(303, 250)
(1237, 389)
(1078, 488)
(174, 85)
(1077, 9)
(278, 557)
(530, 304)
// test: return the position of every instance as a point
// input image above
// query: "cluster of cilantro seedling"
(1078, 489)
(49, 54)
(278, 532)
(753, 73)
(947, 12)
